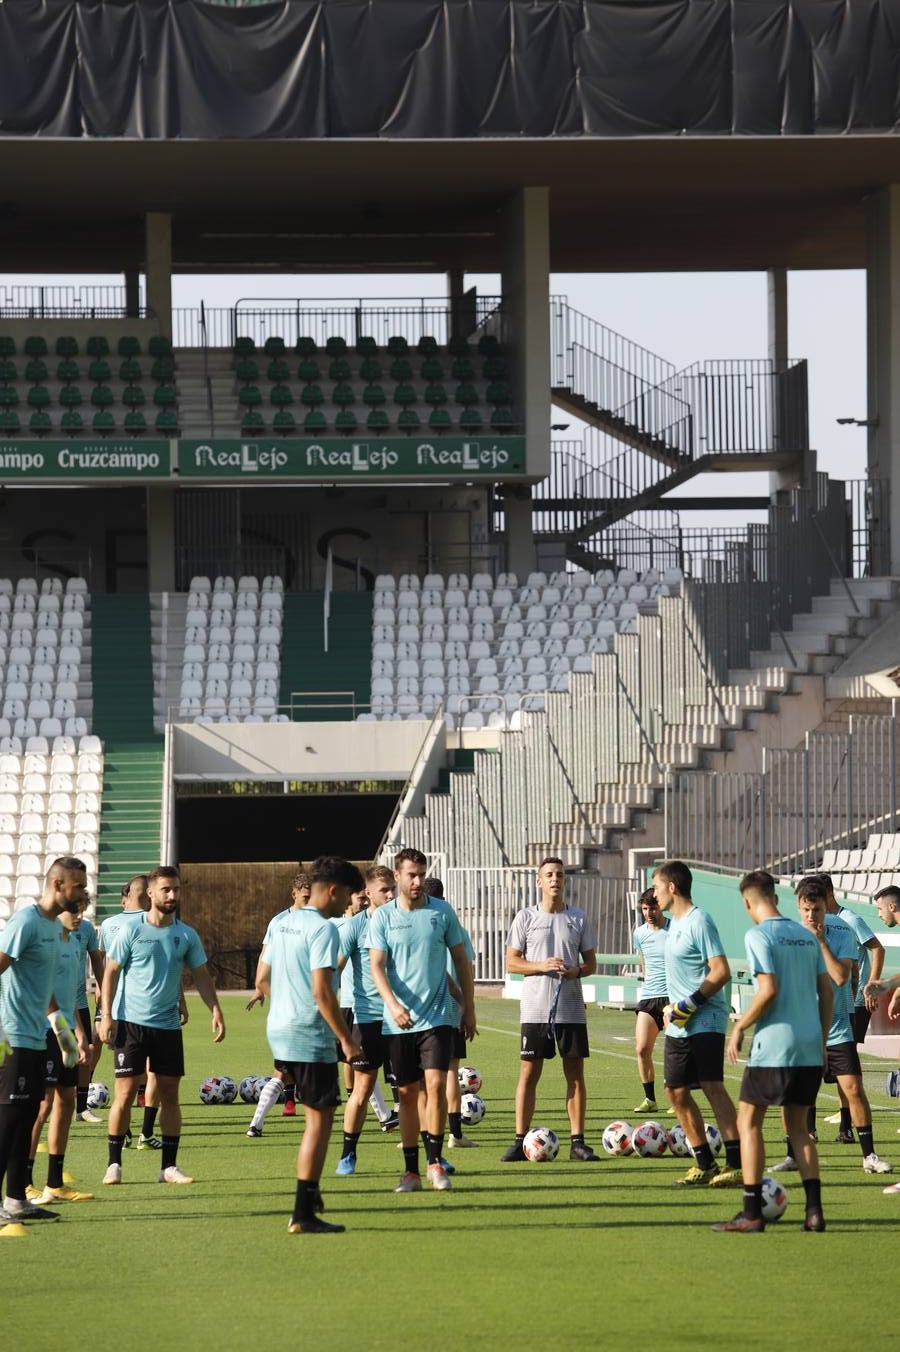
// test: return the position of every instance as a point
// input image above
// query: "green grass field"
(518, 1256)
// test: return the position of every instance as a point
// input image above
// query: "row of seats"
(97, 345)
(407, 420)
(43, 646)
(576, 579)
(369, 369)
(881, 852)
(104, 422)
(863, 884)
(232, 653)
(366, 346)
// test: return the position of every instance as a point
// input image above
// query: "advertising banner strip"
(361, 458)
(71, 460)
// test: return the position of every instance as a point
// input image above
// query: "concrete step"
(873, 588)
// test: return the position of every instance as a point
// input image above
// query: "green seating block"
(99, 371)
(36, 346)
(346, 421)
(39, 423)
(377, 420)
(274, 346)
(284, 422)
(281, 395)
(129, 346)
(135, 422)
(159, 346)
(103, 421)
(70, 396)
(315, 423)
(97, 346)
(439, 420)
(102, 396)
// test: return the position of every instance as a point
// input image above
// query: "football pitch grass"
(519, 1256)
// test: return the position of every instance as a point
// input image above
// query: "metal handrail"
(399, 807)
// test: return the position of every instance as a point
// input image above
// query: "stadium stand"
(232, 650)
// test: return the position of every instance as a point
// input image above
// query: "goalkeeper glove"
(65, 1037)
(680, 1011)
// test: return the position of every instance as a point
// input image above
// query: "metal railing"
(576, 339)
(69, 302)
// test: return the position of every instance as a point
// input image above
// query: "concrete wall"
(330, 751)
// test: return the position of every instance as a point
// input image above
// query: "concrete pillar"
(520, 552)
(883, 367)
(158, 265)
(132, 292)
(161, 538)
(779, 352)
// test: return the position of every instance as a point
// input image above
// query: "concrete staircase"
(167, 626)
(195, 417)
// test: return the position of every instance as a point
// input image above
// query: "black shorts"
(286, 1067)
(457, 1044)
(766, 1086)
(138, 1048)
(56, 1075)
(409, 1054)
(373, 1052)
(860, 1023)
(22, 1076)
(538, 1044)
(317, 1083)
(654, 1007)
(692, 1061)
(841, 1060)
(348, 1020)
(84, 1018)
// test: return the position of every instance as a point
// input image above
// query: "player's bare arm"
(207, 991)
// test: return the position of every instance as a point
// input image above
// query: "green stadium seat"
(9, 396)
(466, 394)
(409, 420)
(67, 346)
(494, 368)
(427, 345)
(281, 395)
(249, 397)
(102, 396)
(338, 370)
(342, 395)
(103, 421)
(373, 395)
(397, 345)
(135, 422)
(244, 347)
(39, 423)
(312, 395)
(432, 369)
(346, 421)
(39, 397)
(7, 370)
(439, 420)
(129, 346)
(401, 369)
(278, 370)
(97, 345)
(7, 346)
(133, 396)
(284, 422)
(35, 371)
(306, 346)
(308, 371)
(471, 420)
(99, 371)
(165, 396)
(405, 395)
(167, 422)
(163, 369)
(366, 346)
(70, 396)
(71, 421)
(130, 370)
(246, 370)
(488, 344)
(377, 420)
(502, 419)
(370, 370)
(35, 346)
(462, 369)
(159, 346)
(497, 392)
(252, 421)
(336, 346)
(66, 371)
(315, 424)
(458, 347)
(9, 423)
(274, 346)
(435, 394)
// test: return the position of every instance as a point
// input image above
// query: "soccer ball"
(473, 1109)
(97, 1095)
(228, 1088)
(617, 1139)
(649, 1140)
(541, 1145)
(249, 1089)
(469, 1079)
(211, 1090)
(713, 1138)
(774, 1199)
(678, 1141)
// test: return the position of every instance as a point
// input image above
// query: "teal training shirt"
(87, 940)
(345, 986)
(416, 943)
(368, 1006)
(300, 943)
(691, 942)
(650, 942)
(789, 1032)
(842, 942)
(864, 935)
(110, 927)
(152, 958)
(34, 942)
(454, 1009)
(70, 963)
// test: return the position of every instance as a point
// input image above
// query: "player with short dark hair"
(300, 969)
(791, 1009)
(697, 972)
(650, 946)
(552, 945)
(141, 1018)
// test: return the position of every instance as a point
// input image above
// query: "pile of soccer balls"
(472, 1106)
(651, 1139)
(218, 1089)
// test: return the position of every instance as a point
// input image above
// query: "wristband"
(698, 998)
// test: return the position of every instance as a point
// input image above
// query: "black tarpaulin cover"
(434, 69)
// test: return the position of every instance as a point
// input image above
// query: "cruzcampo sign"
(362, 458)
(38, 459)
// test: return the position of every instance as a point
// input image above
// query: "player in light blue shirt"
(868, 967)
(87, 939)
(697, 973)
(650, 945)
(791, 1011)
(300, 968)
(141, 1020)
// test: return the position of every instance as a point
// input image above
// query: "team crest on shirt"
(21, 1083)
(121, 1058)
(49, 1069)
(177, 940)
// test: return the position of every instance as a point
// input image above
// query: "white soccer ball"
(774, 1199)
(541, 1145)
(228, 1088)
(469, 1079)
(261, 1082)
(97, 1095)
(649, 1140)
(617, 1139)
(211, 1090)
(472, 1109)
(249, 1089)
(713, 1138)
(678, 1141)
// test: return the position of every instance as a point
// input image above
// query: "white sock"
(267, 1100)
(376, 1098)
(13, 1205)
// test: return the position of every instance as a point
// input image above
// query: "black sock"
(433, 1147)
(866, 1143)
(411, 1158)
(846, 1123)
(752, 1206)
(703, 1155)
(578, 1138)
(55, 1171)
(395, 1095)
(169, 1150)
(115, 1145)
(650, 1090)
(811, 1120)
(455, 1120)
(789, 1148)
(305, 1200)
(813, 1189)
(16, 1124)
(520, 1137)
(350, 1140)
(732, 1154)
(290, 1093)
(29, 1174)
(81, 1098)
(149, 1122)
